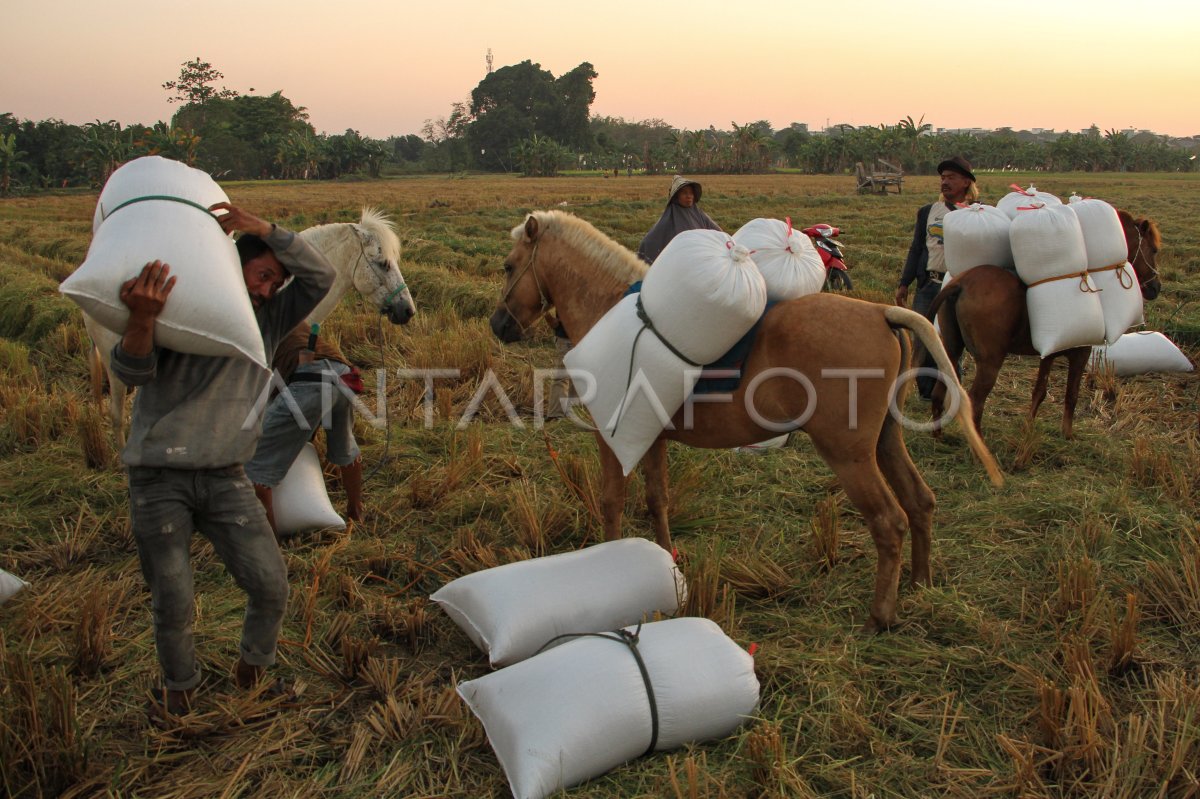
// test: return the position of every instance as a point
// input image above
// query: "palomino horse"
(366, 255)
(561, 261)
(983, 310)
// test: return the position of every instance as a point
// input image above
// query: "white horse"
(365, 254)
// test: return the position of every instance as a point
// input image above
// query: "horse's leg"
(612, 491)
(654, 471)
(986, 374)
(864, 484)
(1039, 386)
(913, 494)
(1076, 362)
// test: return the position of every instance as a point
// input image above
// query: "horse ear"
(531, 227)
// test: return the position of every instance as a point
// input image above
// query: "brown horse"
(983, 311)
(561, 261)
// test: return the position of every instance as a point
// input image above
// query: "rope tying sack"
(647, 324)
(1084, 285)
(1122, 274)
(166, 197)
(630, 639)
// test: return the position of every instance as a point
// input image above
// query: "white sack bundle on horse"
(10, 584)
(512, 611)
(1140, 353)
(1018, 198)
(701, 295)
(301, 502)
(790, 265)
(151, 209)
(1107, 264)
(1063, 302)
(595, 702)
(976, 235)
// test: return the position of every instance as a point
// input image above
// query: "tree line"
(521, 118)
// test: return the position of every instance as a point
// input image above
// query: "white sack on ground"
(1019, 198)
(790, 265)
(1107, 250)
(703, 293)
(209, 311)
(581, 709)
(976, 236)
(10, 584)
(300, 501)
(629, 412)
(1140, 353)
(512, 611)
(1063, 302)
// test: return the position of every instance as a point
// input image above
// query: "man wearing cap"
(926, 255)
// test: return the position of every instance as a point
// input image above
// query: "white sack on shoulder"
(790, 265)
(301, 502)
(703, 293)
(512, 611)
(582, 708)
(630, 404)
(1141, 353)
(10, 585)
(209, 311)
(976, 236)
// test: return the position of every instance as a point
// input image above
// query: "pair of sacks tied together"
(1082, 291)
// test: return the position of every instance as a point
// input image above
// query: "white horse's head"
(366, 255)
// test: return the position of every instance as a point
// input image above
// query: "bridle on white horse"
(362, 256)
(546, 304)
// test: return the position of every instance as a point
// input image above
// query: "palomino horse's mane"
(610, 256)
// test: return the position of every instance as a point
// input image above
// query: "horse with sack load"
(561, 262)
(983, 311)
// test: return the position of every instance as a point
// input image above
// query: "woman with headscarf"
(682, 213)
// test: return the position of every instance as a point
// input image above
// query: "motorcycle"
(837, 273)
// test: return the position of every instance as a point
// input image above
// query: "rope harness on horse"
(545, 306)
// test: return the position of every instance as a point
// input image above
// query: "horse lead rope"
(630, 639)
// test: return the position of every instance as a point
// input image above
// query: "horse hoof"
(874, 627)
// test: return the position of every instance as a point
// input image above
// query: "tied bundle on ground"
(300, 502)
(152, 209)
(644, 356)
(790, 265)
(1050, 256)
(10, 585)
(511, 611)
(1140, 353)
(596, 701)
(1107, 265)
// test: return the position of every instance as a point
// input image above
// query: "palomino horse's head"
(376, 272)
(1144, 241)
(524, 300)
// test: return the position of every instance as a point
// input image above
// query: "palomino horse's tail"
(923, 330)
(96, 368)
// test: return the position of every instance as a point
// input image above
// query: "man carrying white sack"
(187, 443)
(926, 262)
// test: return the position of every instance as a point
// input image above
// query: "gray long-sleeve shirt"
(191, 411)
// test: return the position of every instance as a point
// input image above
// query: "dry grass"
(1054, 657)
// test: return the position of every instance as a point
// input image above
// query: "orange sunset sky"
(383, 67)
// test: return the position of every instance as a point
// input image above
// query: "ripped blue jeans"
(167, 506)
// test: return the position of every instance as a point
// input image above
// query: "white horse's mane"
(376, 221)
(611, 256)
